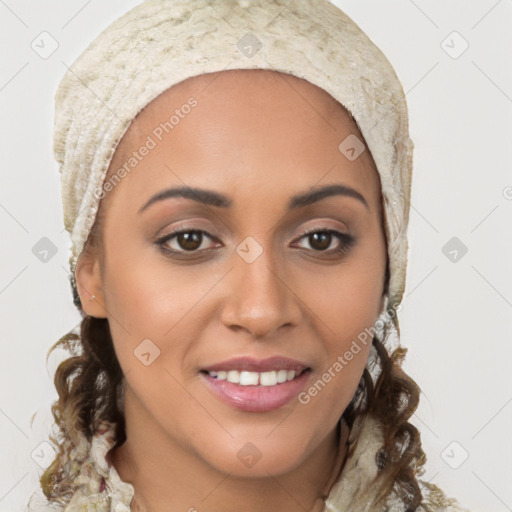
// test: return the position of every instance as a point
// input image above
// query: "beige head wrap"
(162, 42)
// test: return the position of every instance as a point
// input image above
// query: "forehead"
(253, 91)
(245, 125)
(260, 95)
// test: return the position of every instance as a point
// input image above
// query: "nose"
(260, 300)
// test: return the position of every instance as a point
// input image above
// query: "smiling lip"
(249, 364)
(256, 398)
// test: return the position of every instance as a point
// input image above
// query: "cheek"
(143, 292)
(331, 389)
(346, 304)
(149, 299)
(347, 328)
(349, 299)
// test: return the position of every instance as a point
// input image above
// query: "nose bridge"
(259, 300)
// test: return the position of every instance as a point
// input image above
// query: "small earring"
(93, 297)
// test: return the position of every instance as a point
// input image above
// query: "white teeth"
(248, 378)
(245, 378)
(282, 375)
(268, 378)
(233, 376)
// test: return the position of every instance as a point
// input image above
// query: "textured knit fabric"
(100, 489)
(162, 42)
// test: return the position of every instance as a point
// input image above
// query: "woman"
(238, 257)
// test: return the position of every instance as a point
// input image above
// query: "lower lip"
(256, 398)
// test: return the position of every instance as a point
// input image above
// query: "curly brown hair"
(392, 399)
(89, 385)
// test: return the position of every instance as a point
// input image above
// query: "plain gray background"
(456, 315)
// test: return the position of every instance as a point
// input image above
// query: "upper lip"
(250, 364)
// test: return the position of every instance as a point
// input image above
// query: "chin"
(254, 456)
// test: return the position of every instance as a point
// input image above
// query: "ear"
(89, 284)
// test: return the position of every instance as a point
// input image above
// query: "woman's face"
(244, 282)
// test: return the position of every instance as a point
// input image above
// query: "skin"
(258, 137)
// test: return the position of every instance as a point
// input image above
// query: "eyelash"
(346, 241)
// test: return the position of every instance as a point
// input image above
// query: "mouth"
(256, 386)
(245, 378)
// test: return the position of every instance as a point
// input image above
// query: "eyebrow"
(217, 199)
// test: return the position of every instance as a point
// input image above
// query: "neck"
(167, 476)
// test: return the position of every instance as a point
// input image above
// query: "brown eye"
(190, 240)
(321, 239)
(183, 241)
